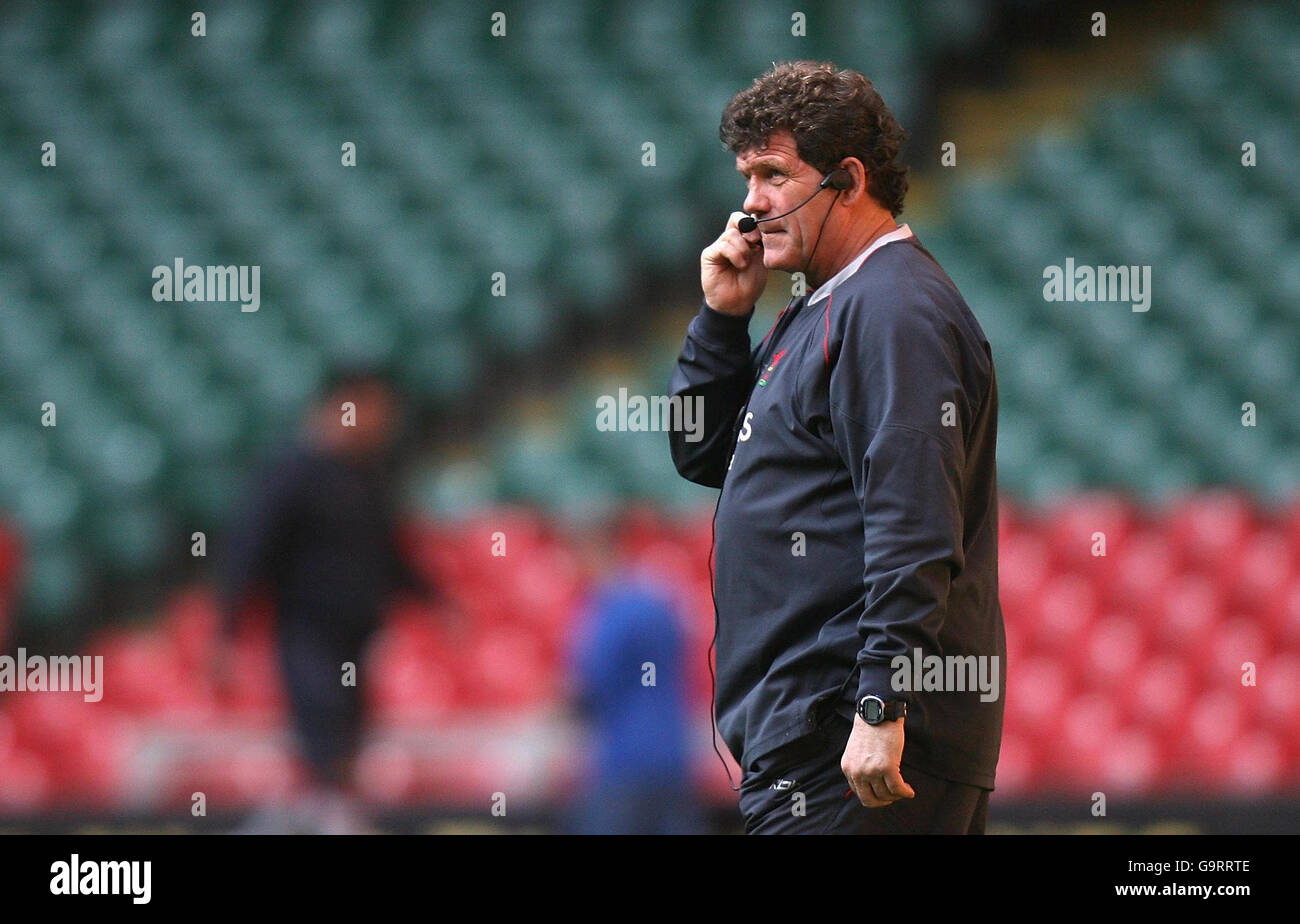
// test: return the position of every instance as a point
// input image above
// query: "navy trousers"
(327, 716)
(800, 789)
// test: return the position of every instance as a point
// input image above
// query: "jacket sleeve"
(714, 372)
(257, 535)
(402, 576)
(897, 369)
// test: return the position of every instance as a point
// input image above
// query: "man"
(629, 685)
(320, 531)
(855, 447)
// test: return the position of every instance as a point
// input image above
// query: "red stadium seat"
(1277, 681)
(1285, 621)
(1159, 696)
(261, 771)
(1073, 525)
(1258, 764)
(1145, 567)
(1009, 518)
(191, 624)
(1089, 726)
(151, 676)
(106, 748)
(669, 563)
(1024, 565)
(640, 527)
(1236, 641)
(83, 745)
(463, 778)
(543, 591)
(256, 689)
(11, 554)
(1116, 647)
(386, 773)
(504, 668)
(1019, 766)
(1037, 696)
(1018, 640)
(411, 682)
(1131, 762)
(1215, 727)
(1189, 607)
(1265, 572)
(26, 785)
(1208, 530)
(1067, 608)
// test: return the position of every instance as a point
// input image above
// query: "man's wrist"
(722, 328)
(738, 315)
(858, 720)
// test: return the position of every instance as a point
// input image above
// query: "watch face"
(872, 709)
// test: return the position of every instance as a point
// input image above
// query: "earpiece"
(839, 178)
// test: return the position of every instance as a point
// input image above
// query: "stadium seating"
(1125, 669)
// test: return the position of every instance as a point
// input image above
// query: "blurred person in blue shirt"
(629, 685)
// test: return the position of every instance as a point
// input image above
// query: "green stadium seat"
(133, 540)
(1203, 409)
(445, 367)
(1283, 287)
(24, 454)
(1190, 73)
(1268, 363)
(55, 584)
(122, 34)
(520, 321)
(1043, 364)
(50, 507)
(1054, 162)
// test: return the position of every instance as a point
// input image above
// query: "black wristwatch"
(875, 710)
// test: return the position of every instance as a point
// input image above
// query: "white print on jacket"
(746, 431)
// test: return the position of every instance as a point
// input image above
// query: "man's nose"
(756, 203)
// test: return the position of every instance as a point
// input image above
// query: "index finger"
(734, 220)
(751, 238)
(897, 786)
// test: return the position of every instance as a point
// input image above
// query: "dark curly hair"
(832, 113)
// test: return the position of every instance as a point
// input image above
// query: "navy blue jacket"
(858, 515)
(321, 531)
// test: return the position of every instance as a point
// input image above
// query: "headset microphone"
(838, 179)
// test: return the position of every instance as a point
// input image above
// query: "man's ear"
(853, 194)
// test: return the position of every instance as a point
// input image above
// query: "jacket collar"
(901, 233)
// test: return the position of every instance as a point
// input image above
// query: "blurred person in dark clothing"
(628, 682)
(320, 532)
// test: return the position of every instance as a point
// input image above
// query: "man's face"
(778, 181)
(375, 417)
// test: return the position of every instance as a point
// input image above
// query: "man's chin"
(779, 260)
